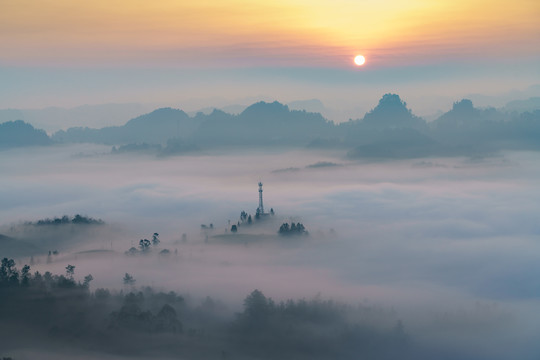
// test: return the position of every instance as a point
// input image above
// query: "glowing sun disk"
(359, 60)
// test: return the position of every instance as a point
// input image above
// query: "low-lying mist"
(448, 245)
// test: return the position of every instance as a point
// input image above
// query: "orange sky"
(242, 32)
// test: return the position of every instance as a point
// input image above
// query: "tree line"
(58, 310)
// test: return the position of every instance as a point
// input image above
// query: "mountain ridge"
(275, 124)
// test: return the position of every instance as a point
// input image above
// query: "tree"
(25, 275)
(128, 280)
(87, 280)
(284, 229)
(234, 228)
(167, 321)
(70, 271)
(155, 239)
(6, 269)
(256, 306)
(14, 278)
(144, 244)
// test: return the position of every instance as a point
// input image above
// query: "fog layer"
(449, 243)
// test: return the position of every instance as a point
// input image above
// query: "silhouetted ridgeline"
(153, 128)
(18, 133)
(390, 130)
(55, 310)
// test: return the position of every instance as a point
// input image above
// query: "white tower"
(261, 207)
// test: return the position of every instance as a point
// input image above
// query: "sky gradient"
(232, 45)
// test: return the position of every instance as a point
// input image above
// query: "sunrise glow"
(216, 33)
(359, 60)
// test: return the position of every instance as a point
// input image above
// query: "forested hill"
(389, 130)
(154, 128)
(18, 133)
(260, 123)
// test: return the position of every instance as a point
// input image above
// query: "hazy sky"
(69, 53)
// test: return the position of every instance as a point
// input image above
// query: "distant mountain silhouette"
(464, 116)
(155, 128)
(389, 130)
(274, 123)
(392, 113)
(467, 129)
(259, 124)
(54, 118)
(529, 105)
(523, 132)
(18, 133)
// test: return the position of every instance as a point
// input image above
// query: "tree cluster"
(247, 219)
(146, 246)
(77, 219)
(316, 328)
(57, 309)
(294, 229)
(132, 317)
(11, 277)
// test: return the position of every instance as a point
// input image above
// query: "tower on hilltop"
(260, 209)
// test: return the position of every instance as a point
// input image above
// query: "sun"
(359, 60)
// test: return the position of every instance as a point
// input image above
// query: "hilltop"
(389, 130)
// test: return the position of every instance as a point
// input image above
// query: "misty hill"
(520, 106)
(155, 128)
(13, 247)
(392, 113)
(18, 133)
(389, 130)
(54, 118)
(486, 130)
(383, 124)
(523, 132)
(259, 124)
(58, 233)
(465, 117)
(467, 127)
(262, 124)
